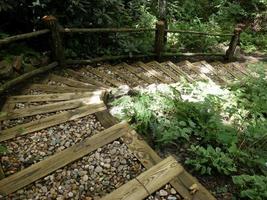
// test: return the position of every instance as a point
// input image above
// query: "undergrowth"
(226, 128)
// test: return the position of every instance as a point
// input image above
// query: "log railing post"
(2, 174)
(160, 39)
(233, 44)
(56, 40)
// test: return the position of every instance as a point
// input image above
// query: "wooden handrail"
(197, 33)
(105, 30)
(10, 39)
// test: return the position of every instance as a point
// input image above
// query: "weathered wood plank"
(51, 107)
(57, 89)
(26, 76)
(241, 69)
(141, 76)
(122, 75)
(50, 121)
(87, 79)
(165, 70)
(145, 154)
(148, 157)
(2, 174)
(153, 72)
(106, 119)
(104, 76)
(52, 163)
(23, 36)
(234, 75)
(148, 182)
(214, 71)
(70, 82)
(179, 71)
(53, 97)
(197, 69)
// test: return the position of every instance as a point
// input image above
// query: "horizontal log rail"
(106, 30)
(106, 58)
(24, 36)
(26, 76)
(191, 54)
(197, 33)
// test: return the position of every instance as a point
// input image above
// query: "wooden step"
(214, 71)
(133, 70)
(51, 107)
(59, 160)
(53, 120)
(148, 182)
(57, 88)
(223, 71)
(179, 71)
(122, 75)
(161, 67)
(71, 82)
(148, 157)
(198, 69)
(153, 72)
(54, 97)
(87, 79)
(104, 76)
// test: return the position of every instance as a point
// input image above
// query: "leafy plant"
(252, 187)
(208, 159)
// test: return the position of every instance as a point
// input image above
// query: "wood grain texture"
(165, 70)
(53, 97)
(50, 121)
(148, 157)
(132, 69)
(57, 88)
(51, 107)
(153, 72)
(47, 166)
(26, 76)
(122, 75)
(179, 71)
(148, 182)
(86, 79)
(214, 71)
(104, 76)
(71, 82)
(143, 152)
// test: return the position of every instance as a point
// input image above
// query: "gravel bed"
(162, 73)
(223, 72)
(54, 83)
(140, 70)
(165, 193)
(137, 81)
(22, 120)
(110, 72)
(31, 104)
(112, 75)
(234, 70)
(34, 147)
(189, 71)
(170, 68)
(88, 74)
(209, 73)
(91, 177)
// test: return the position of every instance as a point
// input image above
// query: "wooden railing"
(161, 37)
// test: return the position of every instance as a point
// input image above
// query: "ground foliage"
(226, 128)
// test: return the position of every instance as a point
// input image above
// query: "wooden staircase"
(72, 94)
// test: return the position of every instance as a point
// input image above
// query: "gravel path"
(34, 147)
(89, 178)
(165, 193)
